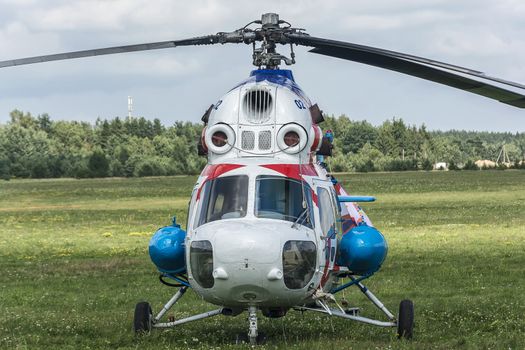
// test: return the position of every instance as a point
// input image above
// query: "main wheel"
(242, 338)
(405, 321)
(143, 317)
(261, 338)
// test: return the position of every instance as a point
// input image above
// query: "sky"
(180, 83)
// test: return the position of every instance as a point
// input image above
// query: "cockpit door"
(328, 220)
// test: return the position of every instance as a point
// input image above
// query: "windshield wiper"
(304, 212)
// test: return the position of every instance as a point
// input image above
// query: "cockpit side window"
(283, 198)
(327, 212)
(337, 212)
(224, 198)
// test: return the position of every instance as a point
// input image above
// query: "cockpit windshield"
(282, 198)
(224, 198)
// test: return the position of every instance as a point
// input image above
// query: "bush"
(5, 169)
(365, 167)
(79, 169)
(40, 169)
(453, 166)
(470, 165)
(426, 165)
(98, 164)
(150, 167)
(401, 165)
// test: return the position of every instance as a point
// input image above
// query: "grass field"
(73, 263)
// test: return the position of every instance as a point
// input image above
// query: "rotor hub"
(272, 31)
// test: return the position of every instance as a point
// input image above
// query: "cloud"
(481, 34)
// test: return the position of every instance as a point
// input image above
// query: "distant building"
(441, 166)
(485, 163)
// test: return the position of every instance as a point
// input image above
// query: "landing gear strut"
(404, 323)
(252, 319)
(145, 322)
(253, 337)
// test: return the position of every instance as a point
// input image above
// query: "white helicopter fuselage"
(264, 219)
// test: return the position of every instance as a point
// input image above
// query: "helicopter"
(269, 228)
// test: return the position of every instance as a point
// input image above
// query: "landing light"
(291, 138)
(219, 139)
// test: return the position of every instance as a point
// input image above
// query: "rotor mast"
(266, 55)
(272, 31)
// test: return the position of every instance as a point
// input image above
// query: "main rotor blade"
(203, 40)
(416, 66)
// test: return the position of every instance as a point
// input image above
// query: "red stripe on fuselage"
(293, 171)
(314, 198)
(317, 137)
(214, 171)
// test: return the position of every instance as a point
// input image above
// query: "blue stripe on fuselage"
(282, 77)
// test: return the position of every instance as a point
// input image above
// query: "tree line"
(396, 146)
(39, 147)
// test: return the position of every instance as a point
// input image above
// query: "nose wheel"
(405, 321)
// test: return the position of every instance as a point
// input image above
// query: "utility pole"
(503, 155)
(130, 106)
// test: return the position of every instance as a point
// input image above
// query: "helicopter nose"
(246, 261)
(247, 246)
(247, 266)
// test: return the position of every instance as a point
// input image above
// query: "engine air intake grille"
(257, 105)
(248, 140)
(265, 140)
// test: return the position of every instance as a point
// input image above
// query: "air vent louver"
(257, 105)
(248, 140)
(265, 140)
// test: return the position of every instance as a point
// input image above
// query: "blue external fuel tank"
(363, 249)
(166, 249)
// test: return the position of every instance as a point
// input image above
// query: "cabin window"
(224, 198)
(299, 260)
(327, 212)
(283, 198)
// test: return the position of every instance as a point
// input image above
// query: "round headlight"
(219, 138)
(291, 138)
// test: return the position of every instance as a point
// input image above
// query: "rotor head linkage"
(272, 31)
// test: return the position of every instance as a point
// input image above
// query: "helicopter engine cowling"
(363, 249)
(166, 249)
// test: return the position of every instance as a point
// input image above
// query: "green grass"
(73, 263)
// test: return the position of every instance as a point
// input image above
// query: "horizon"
(172, 123)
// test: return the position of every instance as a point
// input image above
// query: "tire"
(242, 338)
(405, 321)
(143, 317)
(261, 338)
